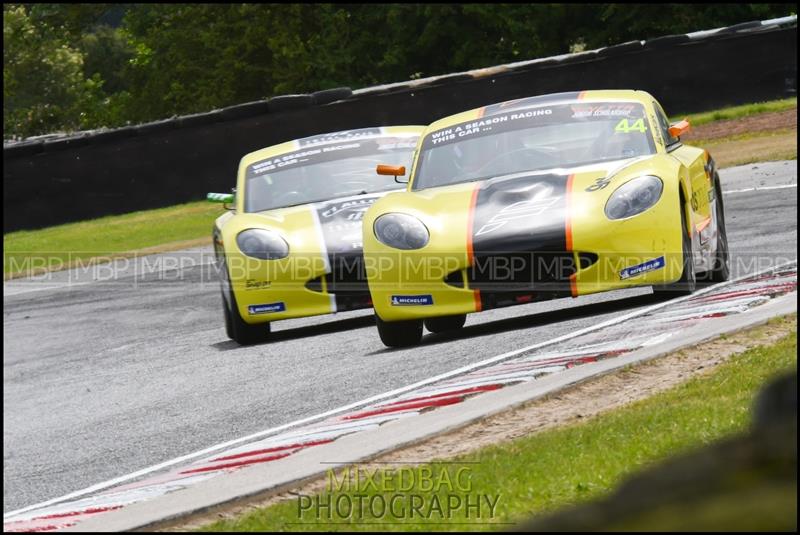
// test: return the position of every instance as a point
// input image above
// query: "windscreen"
(323, 172)
(533, 139)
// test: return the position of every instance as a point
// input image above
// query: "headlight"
(401, 231)
(634, 197)
(263, 244)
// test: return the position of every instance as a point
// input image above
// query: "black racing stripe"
(519, 237)
(341, 230)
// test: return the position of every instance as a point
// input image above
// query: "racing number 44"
(625, 126)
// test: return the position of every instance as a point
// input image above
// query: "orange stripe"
(703, 224)
(567, 219)
(581, 95)
(481, 112)
(470, 252)
(573, 283)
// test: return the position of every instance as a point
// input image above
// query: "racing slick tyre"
(688, 281)
(399, 333)
(721, 271)
(239, 331)
(445, 323)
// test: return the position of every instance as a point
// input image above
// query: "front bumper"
(296, 287)
(605, 255)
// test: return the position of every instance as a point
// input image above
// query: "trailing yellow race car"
(539, 198)
(291, 244)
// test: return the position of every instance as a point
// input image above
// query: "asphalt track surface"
(103, 378)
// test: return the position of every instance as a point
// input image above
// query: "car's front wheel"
(239, 331)
(443, 324)
(399, 333)
(688, 281)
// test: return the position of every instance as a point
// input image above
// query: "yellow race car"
(290, 245)
(544, 197)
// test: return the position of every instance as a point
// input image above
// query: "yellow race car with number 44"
(544, 197)
(290, 245)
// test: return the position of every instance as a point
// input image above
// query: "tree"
(43, 82)
(69, 66)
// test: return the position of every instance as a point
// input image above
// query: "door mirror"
(679, 128)
(225, 198)
(393, 170)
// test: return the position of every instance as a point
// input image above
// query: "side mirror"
(392, 170)
(225, 198)
(679, 128)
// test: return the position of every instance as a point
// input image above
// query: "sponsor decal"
(483, 126)
(356, 208)
(695, 201)
(340, 223)
(252, 284)
(339, 136)
(629, 118)
(603, 110)
(599, 184)
(638, 269)
(410, 300)
(267, 308)
(347, 147)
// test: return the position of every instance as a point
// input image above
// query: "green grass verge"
(737, 112)
(747, 136)
(568, 465)
(751, 147)
(57, 246)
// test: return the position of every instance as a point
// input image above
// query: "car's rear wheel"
(688, 281)
(445, 323)
(399, 333)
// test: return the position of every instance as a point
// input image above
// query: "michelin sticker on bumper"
(650, 265)
(266, 308)
(407, 300)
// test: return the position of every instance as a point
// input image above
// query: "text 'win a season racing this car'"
(291, 245)
(544, 197)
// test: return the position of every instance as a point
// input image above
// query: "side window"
(664, 124)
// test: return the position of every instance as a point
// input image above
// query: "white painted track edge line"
(764, 188)
(386, 395)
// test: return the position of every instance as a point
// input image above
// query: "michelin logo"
(650, 265)
(266, 308)
(406, 300)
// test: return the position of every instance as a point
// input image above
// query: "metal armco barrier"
(59, 179)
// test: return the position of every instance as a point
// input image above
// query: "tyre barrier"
(326, 96)
(289, 103)
(247, 109)
(622, 48)
(156, 127)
